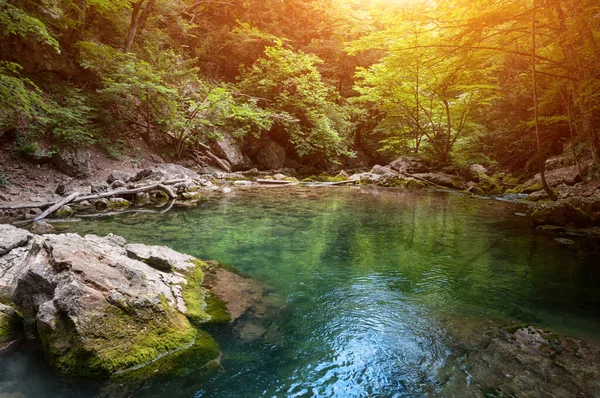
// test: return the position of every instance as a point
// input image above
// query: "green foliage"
(70, 118)
(290, 83)
(21, 101)
(17, 21)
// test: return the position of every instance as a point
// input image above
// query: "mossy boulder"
(118, 204)
(64, 212)
(9, 325)
(101, 307)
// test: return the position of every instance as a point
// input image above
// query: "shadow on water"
(368, 280)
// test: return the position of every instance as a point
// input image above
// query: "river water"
(363, 283)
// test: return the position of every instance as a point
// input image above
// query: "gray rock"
(118, 184)
(118, 203)
(441, 179)
(118, 175)
(377, 169)
(101, 204)
(63, 187)
(186, 186)
(166, 171)
(229, 150)
(160, 257)
(477, 171)
(270, 155)
(41, 227)
(99, 187)
(279, 177)
(74, 162)
(12, 237)
(64, 212)
(408, 165)
(365, 177)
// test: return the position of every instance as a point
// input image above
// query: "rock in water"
(97, 310)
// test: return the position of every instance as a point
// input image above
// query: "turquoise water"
(361, 282)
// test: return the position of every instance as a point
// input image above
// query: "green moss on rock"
(118, 204)
(194, 294)
(217, 309)
(172, 372)
(115, 340)
(64, 212)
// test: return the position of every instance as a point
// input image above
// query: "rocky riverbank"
(159, 186)
(100, 306)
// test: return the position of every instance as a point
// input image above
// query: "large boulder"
(441, 179)
(229, 150)
(74, 162)
(98, 311)
(408, 165)
(270, 155)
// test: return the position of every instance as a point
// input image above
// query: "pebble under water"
(371, 292)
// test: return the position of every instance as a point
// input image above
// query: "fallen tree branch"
(218, 161)
(57, 206)
(152, 187)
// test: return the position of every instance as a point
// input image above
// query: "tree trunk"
(135, 19)
(541, 157)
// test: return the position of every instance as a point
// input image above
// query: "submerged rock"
(9, 325)
(102, 307)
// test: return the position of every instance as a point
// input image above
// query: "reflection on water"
(365, 276)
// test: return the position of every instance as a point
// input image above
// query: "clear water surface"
(363, 279)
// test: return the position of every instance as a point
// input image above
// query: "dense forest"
(505, 84)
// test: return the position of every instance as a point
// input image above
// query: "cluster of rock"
(414, 173)
(100, 306)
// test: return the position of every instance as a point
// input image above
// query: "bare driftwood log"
(341, 182)
(152, 187)
(57, 206)
(274, 182)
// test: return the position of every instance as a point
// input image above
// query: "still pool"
(373, 291)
